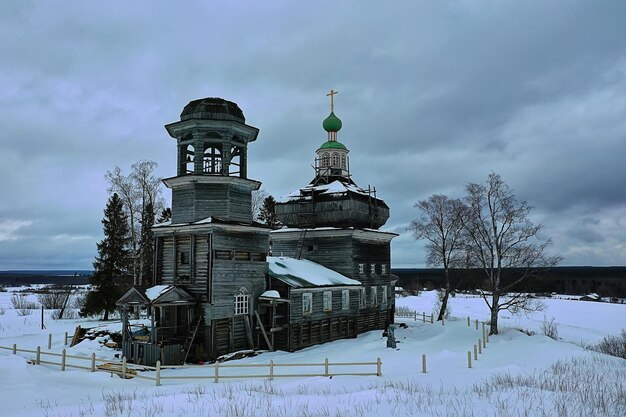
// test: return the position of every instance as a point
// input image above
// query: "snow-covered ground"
(516, 375)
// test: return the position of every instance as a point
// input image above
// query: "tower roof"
(333, 145)
(212, 108)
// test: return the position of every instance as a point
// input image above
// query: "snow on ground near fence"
(448, 388)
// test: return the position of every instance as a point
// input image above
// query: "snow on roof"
(335, 187)
(153, 293)
(302, 273)
(167, 223)
(271, 294)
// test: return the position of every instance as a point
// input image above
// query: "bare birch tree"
(137, 190)
(504, 243)
(440, 224)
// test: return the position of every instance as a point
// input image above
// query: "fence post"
(326, 367)
(124, 367)
(158, 374)
(38, 357)
(63, 354)
(415, 315)
(476, 324)
(14, 349)
(217, 367)
(484, 341)
(480, 348)
(423, 317)
(65, 340)
(379, 365)
(469, 359)
(468, 321)
(483, 327)
(475, 353)
(49, 341)
(93, 361)
(431, 318)
(487, 336)
(424, 363)
(271, 370)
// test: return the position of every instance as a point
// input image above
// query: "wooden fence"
(217, 371)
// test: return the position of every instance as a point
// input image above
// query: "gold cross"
(332, 101)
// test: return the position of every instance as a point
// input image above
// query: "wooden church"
(217, 291)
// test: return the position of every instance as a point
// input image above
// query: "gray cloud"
(432, 96)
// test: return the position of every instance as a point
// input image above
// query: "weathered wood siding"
(198, 201)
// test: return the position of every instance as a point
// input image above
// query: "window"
(241, 304)
(361, 269)
(335, 160)
(362, 297)
(383, 301)
(307, 303)
(328, 300)
(222, 254)
(343, 161)
(383, 269)
(374, 295)
(184, 258)
(372, 269)
(242, 255)
(345, 299)
(212, 161)
(325, 159)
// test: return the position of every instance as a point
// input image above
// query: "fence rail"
(128, 370)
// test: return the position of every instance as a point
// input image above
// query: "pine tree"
(147, 244)
(112, 267)
(267, 214)
(166, 215)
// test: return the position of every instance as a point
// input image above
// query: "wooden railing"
(217, 371)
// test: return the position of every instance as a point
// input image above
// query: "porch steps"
(189, 340)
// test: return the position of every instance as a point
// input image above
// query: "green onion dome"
(333, 144)
(332, 123)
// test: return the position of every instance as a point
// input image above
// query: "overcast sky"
(433, 95)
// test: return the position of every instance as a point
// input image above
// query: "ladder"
(189, 340)
(300, 245)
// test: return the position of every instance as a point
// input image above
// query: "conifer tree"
(112, 267)
(166, 215)
(267, 214)
(147, 244)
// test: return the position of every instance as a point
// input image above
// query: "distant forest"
(15, 278)
(607, 281)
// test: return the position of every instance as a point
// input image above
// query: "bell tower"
(212, 155)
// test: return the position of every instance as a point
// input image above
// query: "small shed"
(308, 304)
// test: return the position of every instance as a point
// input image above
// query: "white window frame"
(327, 300)
(307, 303)
(383, 299)
(345, 299)
(383, 269)
(362, 269)
(242, 304)
(372, 268)
(362, 297)
(374, 295)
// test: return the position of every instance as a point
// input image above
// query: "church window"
(361, 269)
(383, 300)
(383, 269)
(212, 161)
(242, 302)
(343, 161)
(234, 166)
(184, 258)
(328, 300)
(325, 159)
(345, 299)
(307, 303)
(362, 297)
(374, 295)
(335, 161)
